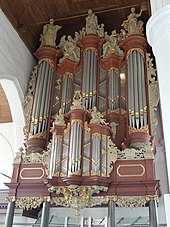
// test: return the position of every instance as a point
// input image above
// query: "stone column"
(10, 214)
(158, 34)
(45, 214)
(157, 4)
(111, 214)
(153, 216)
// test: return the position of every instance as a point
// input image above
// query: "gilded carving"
(129, 201)
(28, 101)
(132, 25)
(30, 202)
(151, 197)
(111, 155)
(77, 101)
(135, 49)
(145, 148)
(153, 93)
(141, 129)
(35, 158)
(75, 196)
(38, 135)
(10, 199)
(136, 151)
(48, 38)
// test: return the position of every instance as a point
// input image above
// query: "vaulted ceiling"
(29, 16)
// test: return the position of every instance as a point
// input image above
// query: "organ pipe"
(136, 91)
(41, 99)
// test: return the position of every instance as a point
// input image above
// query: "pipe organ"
(91, 106)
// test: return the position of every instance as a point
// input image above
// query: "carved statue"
(113, 126)
(82, 32)
(132, 25)
(91, 23)
(97, 117)
(100, 30)
(48, 38)
(59, 119)
(69, 48)
(112, 45)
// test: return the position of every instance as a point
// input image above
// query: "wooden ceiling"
(29, 16)
(5, 113)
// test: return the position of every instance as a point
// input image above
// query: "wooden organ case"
(89, 120)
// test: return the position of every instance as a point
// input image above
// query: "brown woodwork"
(28, 17)
(5, 113)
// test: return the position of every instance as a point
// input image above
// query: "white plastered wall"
(16, 64)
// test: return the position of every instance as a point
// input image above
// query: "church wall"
(16, 60)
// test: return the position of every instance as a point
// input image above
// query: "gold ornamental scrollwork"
(152, 197)
(128, 201)
(28, 100)
(135, 49)
(142, 129)
(113, 68)
(153, 93)
(38, 135)
(94, 50)
(68, 74)
(80, 122)
(75, 196)
(49, 61)
(10, 199)
(30, 202)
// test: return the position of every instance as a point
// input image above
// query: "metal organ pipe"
(41, 116)
(75, 148)
(141, 101)
(89, 79)
(47, 99)
(136, 91)
(135, 79)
